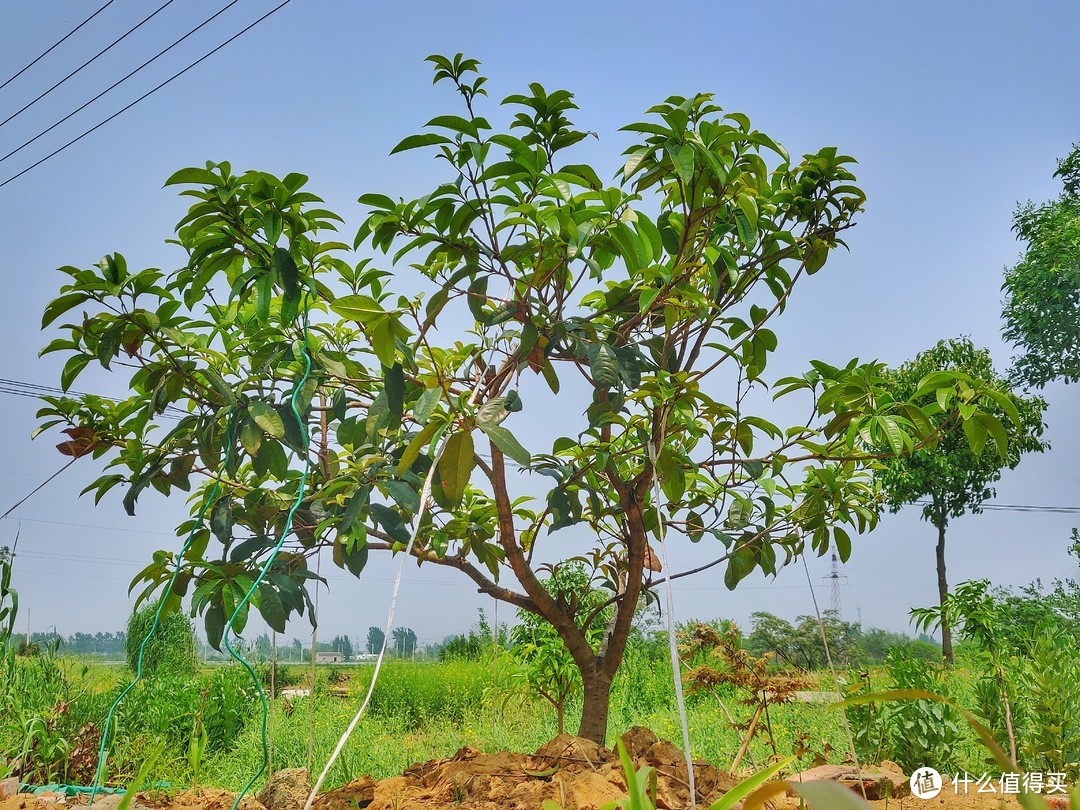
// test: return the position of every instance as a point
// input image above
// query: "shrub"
(171, 649)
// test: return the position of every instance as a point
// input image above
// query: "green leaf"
(423, 139)
(682, 159)
(59, 306)
(250, 437)
(214, 621)
(425, 405)
(221, 519)
(414, 448)
(749, 785)
(505, 441)
(455, 466)
(271, 608)
(72, 368)
(355, 506)
(404, 495)
(193, 176)
(218, 383)
(285, 266)
(267, 418)
(997, 431)
(354, 552)
(977, 435)
(359, 308)
(390, 521)
(603, 365)
(394, 385)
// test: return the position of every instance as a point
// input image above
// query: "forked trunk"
(595, 704)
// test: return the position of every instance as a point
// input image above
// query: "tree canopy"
(955, 475)
(1042, 291)
(523, 280)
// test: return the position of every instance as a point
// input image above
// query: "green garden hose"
(247, 596)
(110, 717)
(270, 561)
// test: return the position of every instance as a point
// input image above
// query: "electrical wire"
(56, 44)
(118, 82)
(91, 60)
(149, 92)
(38, 488)
(37, 391)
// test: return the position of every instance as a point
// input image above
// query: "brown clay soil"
(574, 773)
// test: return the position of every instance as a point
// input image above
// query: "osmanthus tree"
(1042, 291)
(957, 474)
(522, 278)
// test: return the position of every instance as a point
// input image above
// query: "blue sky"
(955, 112)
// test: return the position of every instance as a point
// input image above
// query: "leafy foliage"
(799, 645)
(647, 301)
(1042, 291)
(726, 663)
(375, 639)
(545, 663)
(956, 472)
(170, 650)
(9, 598)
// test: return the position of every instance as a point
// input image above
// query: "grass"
(419, 711)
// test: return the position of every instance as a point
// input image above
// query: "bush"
(170, 650)
(907, 731)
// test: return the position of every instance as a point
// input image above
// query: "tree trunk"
(595, 705)
(943, 594)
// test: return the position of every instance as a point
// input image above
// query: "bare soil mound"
(575, 773)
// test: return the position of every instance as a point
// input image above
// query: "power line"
(92, 59)
(150, 92)
(38, 488)
(1013, 507)
(23, 388)
(58, 42)
(120, 81)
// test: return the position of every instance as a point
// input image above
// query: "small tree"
(170, 650)
(955, 475)
(799, 645)
(404, 642)
(9, 597)
(642, 306)
(545, 662)
(973, 610)
(722, 662)
(1042, 291)
(375, 639)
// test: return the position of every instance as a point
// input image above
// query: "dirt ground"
(574, 773)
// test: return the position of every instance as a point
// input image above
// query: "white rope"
(673, 647)
(425, 495)
(832, 669)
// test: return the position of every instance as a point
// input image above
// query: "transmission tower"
(834, 578)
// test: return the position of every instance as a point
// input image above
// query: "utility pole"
(835, 576)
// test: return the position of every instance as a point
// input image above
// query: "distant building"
(330, 657)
